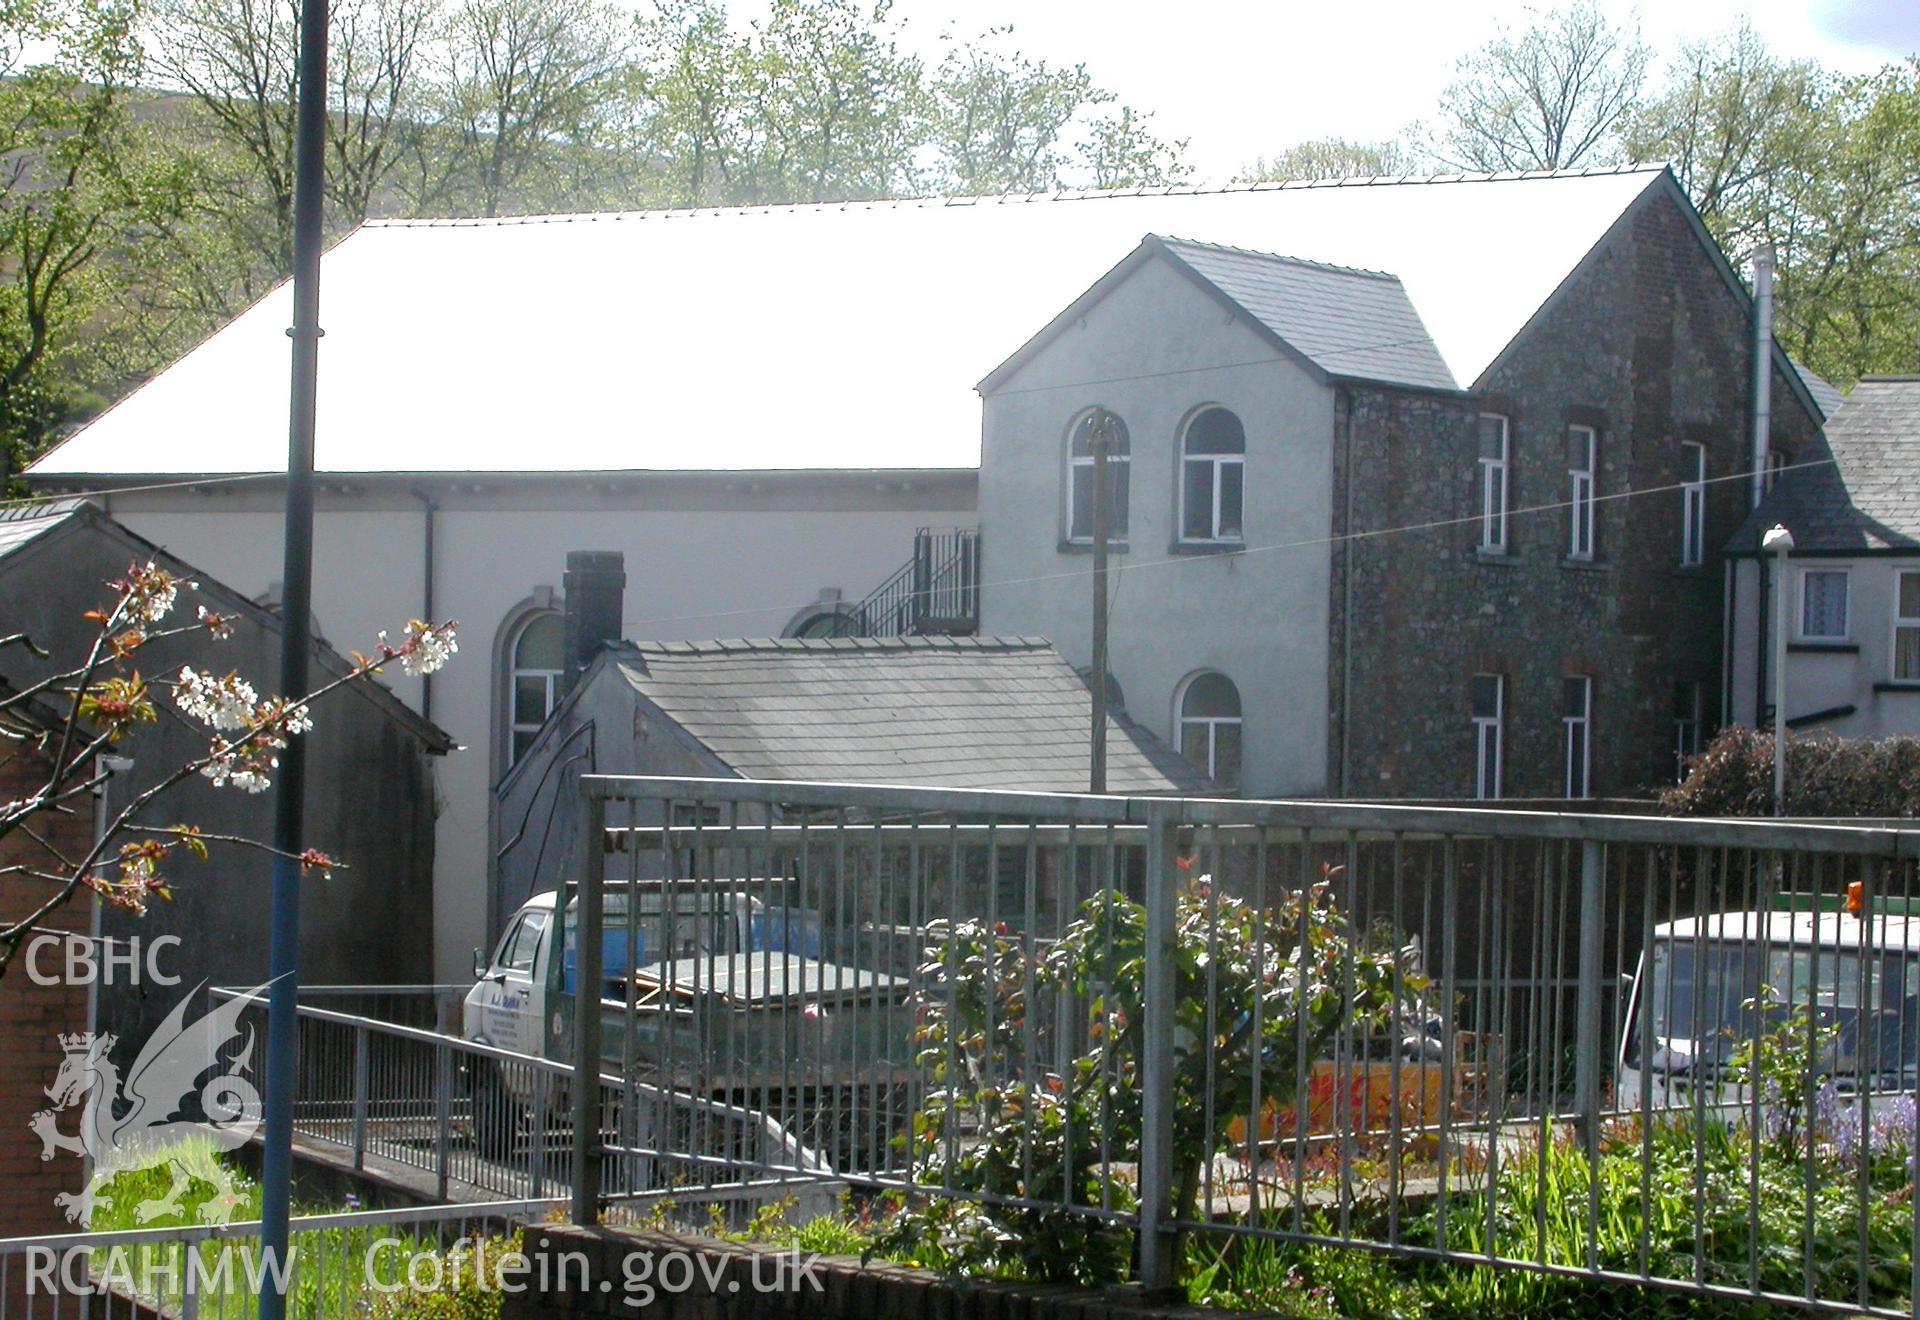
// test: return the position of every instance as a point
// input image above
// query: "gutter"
(429, 509)
(1343, 401)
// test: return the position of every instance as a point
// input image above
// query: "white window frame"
(1580, 490)
(1689, 730)
(1216, 465)
(1901, 623)
(1800, 633)
(515, 726)
(1489, 738)
(1211, 723)
(1568, 723)
(1693, 504)
(1494, 486)
(1077, 461)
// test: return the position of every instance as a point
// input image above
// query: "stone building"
(1442, 521)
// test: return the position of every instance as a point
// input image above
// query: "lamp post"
(1778, 542)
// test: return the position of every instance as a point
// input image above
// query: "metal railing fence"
(1408, 1029)
(479, 1122)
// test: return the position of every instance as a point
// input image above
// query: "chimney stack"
(595, 585)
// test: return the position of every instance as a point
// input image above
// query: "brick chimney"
(595, 585)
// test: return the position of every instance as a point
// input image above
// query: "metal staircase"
(934, 594)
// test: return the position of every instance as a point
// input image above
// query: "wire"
(1116, 570)
(217, 479)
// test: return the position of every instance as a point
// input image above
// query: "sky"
(1243, 78)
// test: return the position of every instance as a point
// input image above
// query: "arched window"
(1213, 460)
(1210, 727)
(824, 623)
(535, 663)
(1080, 476)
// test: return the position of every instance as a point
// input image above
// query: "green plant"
(1273, 984)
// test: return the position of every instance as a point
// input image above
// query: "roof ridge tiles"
(1003, 199)
(1174, 240)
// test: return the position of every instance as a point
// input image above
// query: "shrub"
(1826, 776)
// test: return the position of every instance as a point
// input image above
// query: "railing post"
(586, 1018)
(537, 1134)
(442, 1113)
(361, 1070)
(1156, 1065)
(1591, 1039)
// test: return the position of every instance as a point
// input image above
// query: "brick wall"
(33, 1017)
(732, 1281)
(1651, 348)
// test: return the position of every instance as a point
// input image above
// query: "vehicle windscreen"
(693, 924)
(1702, 996)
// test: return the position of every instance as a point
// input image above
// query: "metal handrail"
(1319, 816)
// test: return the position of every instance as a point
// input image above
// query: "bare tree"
(1552, 97)
(238, 59)
(525, 83)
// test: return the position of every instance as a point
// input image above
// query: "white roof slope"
(823, 337)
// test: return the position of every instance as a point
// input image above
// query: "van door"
(511, 1022)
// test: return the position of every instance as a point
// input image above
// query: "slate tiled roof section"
(1353, 324)
(993, 712)
(1825, 393)
(1869, 497)
(22, 523)
(623, 341)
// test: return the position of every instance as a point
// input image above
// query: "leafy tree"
(524, 84)
(1551, 97)
(1332, 158)
(817, 102)
(1252, 986)
(63, 200)
(1825, 169)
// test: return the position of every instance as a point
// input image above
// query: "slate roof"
(1868, 498)
(789, 337)
(21, 523)
(1352, 324)
(991, 712)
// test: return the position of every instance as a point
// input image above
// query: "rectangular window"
(1080, 497)
(1906, 627)
(1489, 699)
(1576, 723)
(1582, 454)
(1823, 605)
(1493, 483)
(1693, 504)
(1778, 461)
(1686, 726)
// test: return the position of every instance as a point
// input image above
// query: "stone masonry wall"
(1649, 346)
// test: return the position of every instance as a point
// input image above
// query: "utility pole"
(1100, 425)
(276, 1160)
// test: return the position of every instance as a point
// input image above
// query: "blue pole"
(276, 1180)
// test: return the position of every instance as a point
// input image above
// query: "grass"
(331, 1277)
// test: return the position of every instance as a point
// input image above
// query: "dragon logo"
(140, 1123)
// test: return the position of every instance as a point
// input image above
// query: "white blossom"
(245, 774)
(154, 593)
(222, 703)
(220, 625)
(427, 648)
